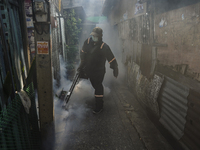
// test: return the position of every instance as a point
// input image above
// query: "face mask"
(95, 38)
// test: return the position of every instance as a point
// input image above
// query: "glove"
(80, 68)
(83, 75)
(81, 71)
(115, 72)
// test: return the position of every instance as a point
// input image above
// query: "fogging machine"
(75, 81)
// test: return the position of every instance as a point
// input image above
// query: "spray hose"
(75, 81)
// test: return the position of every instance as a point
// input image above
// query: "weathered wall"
(168, 43)
(123, 10)
(180, 30)
(146, 91)
(177, 31)
(134, 32)
(130, 33)
(175, 104)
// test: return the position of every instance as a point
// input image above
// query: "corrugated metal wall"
(192, 127)
(176, 105)
(173, 107)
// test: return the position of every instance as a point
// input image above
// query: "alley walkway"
(123, 125)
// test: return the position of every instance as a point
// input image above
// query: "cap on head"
(97, 32)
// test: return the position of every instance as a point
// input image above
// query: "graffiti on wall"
(139, 7)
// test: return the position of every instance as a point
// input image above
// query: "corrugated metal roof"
(173, 106)
(192, 128)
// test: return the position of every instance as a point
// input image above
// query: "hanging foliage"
(72, 31)
(71, 27)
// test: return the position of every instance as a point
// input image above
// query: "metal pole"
(41, 16)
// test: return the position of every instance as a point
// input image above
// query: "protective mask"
(95, 38)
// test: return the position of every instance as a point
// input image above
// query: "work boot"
(98, 105)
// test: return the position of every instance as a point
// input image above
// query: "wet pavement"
(122, 125)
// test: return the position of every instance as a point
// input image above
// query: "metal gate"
(18, 130)
(11, 46)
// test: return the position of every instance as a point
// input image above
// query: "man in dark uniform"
(93, 56)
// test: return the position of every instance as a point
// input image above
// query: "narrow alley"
(123, 124)
(136, 64)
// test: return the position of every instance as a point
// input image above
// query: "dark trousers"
(96, 81)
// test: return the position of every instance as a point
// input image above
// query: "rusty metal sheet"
(192, 128)
(173, 107)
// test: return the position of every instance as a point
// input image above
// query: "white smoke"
(80, 104)
(110, 37)
(91, 7)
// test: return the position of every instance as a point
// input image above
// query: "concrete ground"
(122, 125)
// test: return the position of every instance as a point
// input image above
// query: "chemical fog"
(82, 99)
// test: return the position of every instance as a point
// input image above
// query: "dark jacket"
(94, 55)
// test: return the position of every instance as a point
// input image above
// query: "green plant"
(72, 31)
(71, 27)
